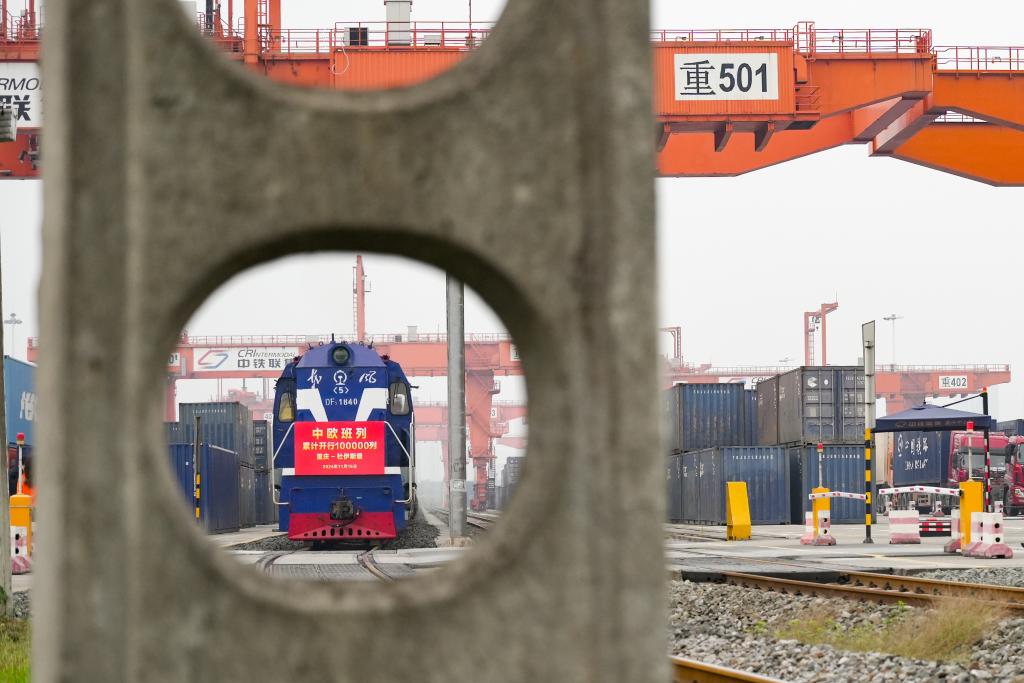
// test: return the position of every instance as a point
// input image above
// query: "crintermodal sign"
(329, 448)
(21, 90)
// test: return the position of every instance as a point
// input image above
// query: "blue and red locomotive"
(344, 442)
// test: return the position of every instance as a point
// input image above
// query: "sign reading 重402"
(738, 76)
(953, 382)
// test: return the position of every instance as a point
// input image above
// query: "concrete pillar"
(526, 173)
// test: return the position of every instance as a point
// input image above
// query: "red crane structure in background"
(812, 321)
(902, 386)
(726, 102)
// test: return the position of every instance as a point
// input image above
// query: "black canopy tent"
(927, 418)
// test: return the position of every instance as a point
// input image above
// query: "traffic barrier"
(809, 529)
(737, 511)
(953, 545)
(21, 562)
(932, 526)
(21, 533)
(919, 489)
(824, 536)
(904, 526)
(971, 501)
(974, 540)
(836, 494)
(992, 543)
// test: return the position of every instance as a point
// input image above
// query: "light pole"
(892, 318)
(12, 321)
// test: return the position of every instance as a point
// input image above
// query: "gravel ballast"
(731, 626)
(997, 576)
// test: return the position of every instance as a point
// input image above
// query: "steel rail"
(899, 583)
(832, 590)
(939, 587)
(691, 671)
(367, 562)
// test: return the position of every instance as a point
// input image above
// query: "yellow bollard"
(21, 522)
(737, 511)
(971, 500)
(819, 504)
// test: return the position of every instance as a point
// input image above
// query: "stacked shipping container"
(266, 509)
(710, 415)
(709, 423)
(812, 405)
(226, 428)
(696, 483)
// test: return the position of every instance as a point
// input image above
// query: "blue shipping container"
(707, 415)
(843, 467)
(20, 398)
(225, 424)
(764, 469)
(219, 492)
(920, 458)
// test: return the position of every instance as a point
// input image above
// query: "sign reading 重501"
(727, 76)
(953, 382)
(339, 448)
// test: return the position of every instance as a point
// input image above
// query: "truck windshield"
(978, 461)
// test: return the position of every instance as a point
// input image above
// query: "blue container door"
(219, 486)
(843, 471)
(184, 472)
(690, 475)
(711, 502)
(674, 481)
(765, 471)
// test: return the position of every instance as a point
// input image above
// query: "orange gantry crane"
(813, 322)
(725, 101)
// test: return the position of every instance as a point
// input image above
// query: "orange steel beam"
(906, 126)
(987, 153)
(995, 97)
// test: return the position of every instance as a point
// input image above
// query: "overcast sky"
(740, 259)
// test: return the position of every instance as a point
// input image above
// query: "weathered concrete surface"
(526, 171)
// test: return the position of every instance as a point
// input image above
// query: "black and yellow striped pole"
(867, 485)
(196, 451)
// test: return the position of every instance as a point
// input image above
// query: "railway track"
(480, 520)
(875, 587)
(691, 671)
(369, 563)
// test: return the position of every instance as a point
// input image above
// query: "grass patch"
(15, 647)
(944, 633)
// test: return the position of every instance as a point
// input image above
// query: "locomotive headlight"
(340, 355)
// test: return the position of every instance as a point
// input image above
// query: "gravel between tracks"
(724, 625)
(997, 576)
(22, 605)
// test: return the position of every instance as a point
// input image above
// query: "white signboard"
(948, 382)
(739, 76)
(242, 358)
(22, 91)
(174, 361)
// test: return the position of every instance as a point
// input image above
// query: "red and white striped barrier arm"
(919, 489)
(837, 494)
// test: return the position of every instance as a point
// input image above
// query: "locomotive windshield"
(286, 408)
(399, 398)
